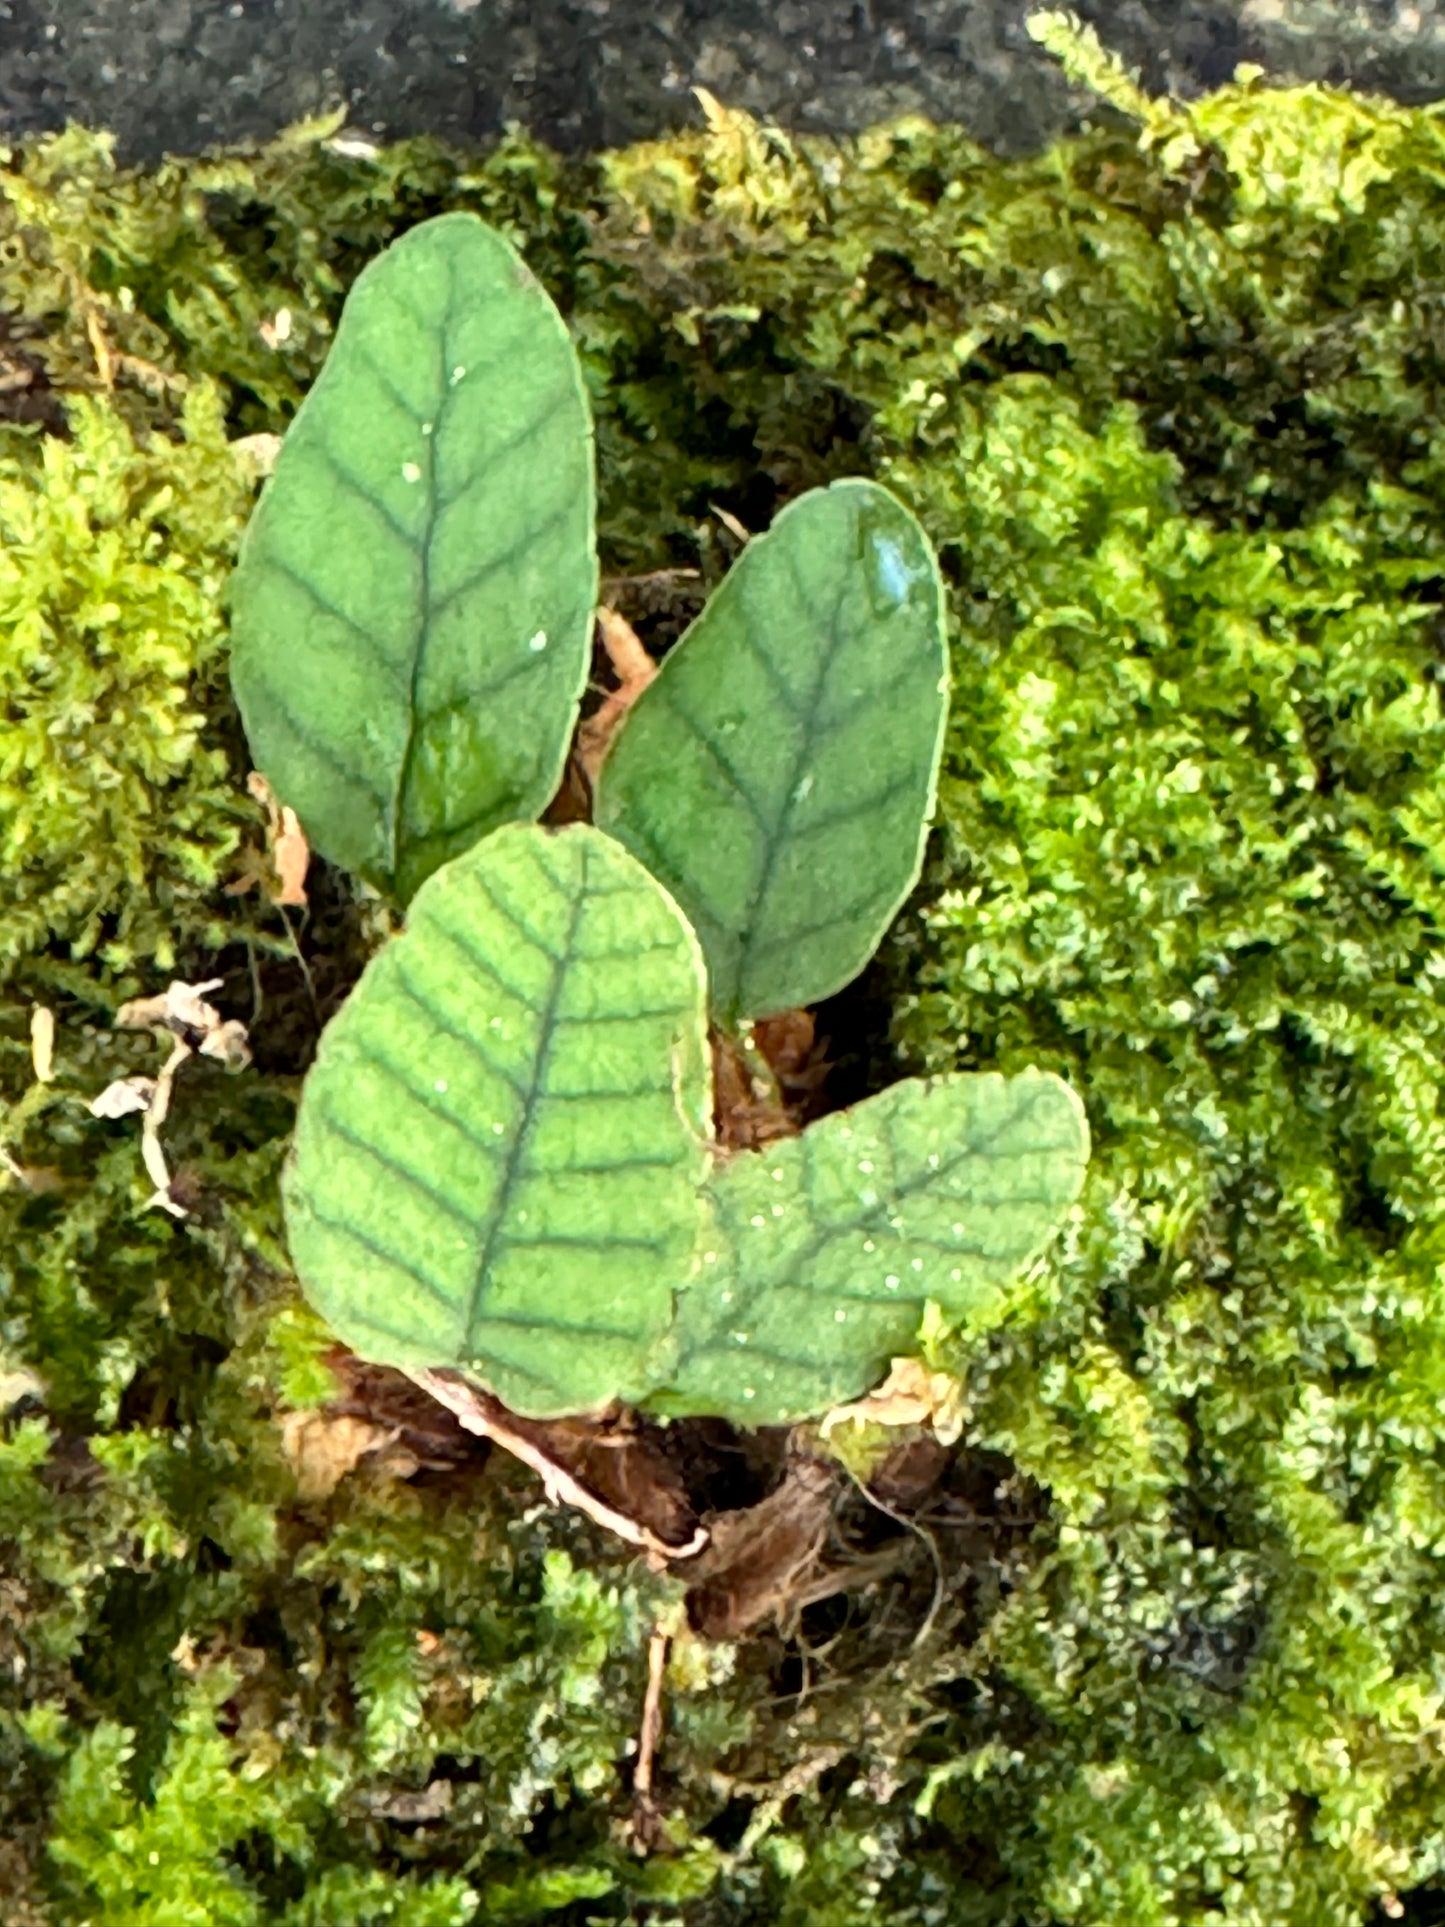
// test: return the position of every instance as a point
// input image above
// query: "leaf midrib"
(773, 843)
(443, 343)
(521, 1138)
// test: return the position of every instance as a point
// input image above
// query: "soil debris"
(386, 1399)
(378, 1416)
(769, 1084)
(762, 1530)
(622, 1457)
(618, 1460)
(26, 393)
(758, 1557)
(765, 1562)
(413, 1809)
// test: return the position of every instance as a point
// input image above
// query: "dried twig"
(42, 1043)
(612, 583)
(652, 1723)
(731, 523)
(486, 1417)
(151, 1152)
(108, 360)
(104, 360)
(940, 1573)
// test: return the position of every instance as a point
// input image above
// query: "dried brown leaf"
(180, 1007)
(789, 1044)
(747, 1111)
(322, 1447)
(388, 1398)
(228, 1043)
(289, 854)
(277, 329)
(910, 1395)
(125, 1095)
(909, 1472)
(193, 1025)
(634, 670)
(256, 454)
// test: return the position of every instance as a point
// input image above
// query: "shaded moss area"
(1169, 408)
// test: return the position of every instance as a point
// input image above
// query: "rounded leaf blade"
(779, 773)
(829, 1245)
(499, 1146)
(412, 605)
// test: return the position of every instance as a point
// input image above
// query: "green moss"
(1169, 409)
(112, 557)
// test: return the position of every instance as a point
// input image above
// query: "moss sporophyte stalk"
(411, 622)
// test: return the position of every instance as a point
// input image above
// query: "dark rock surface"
(181, 75)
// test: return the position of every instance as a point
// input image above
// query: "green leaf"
(779, 773)
(412, 607)
(499, 1147)
(830, 1244)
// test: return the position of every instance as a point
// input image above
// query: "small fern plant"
(503, 1161)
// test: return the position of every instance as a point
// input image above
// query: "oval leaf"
(411, 610)
(779, 773)
(499, 1147)
(830, 1244)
